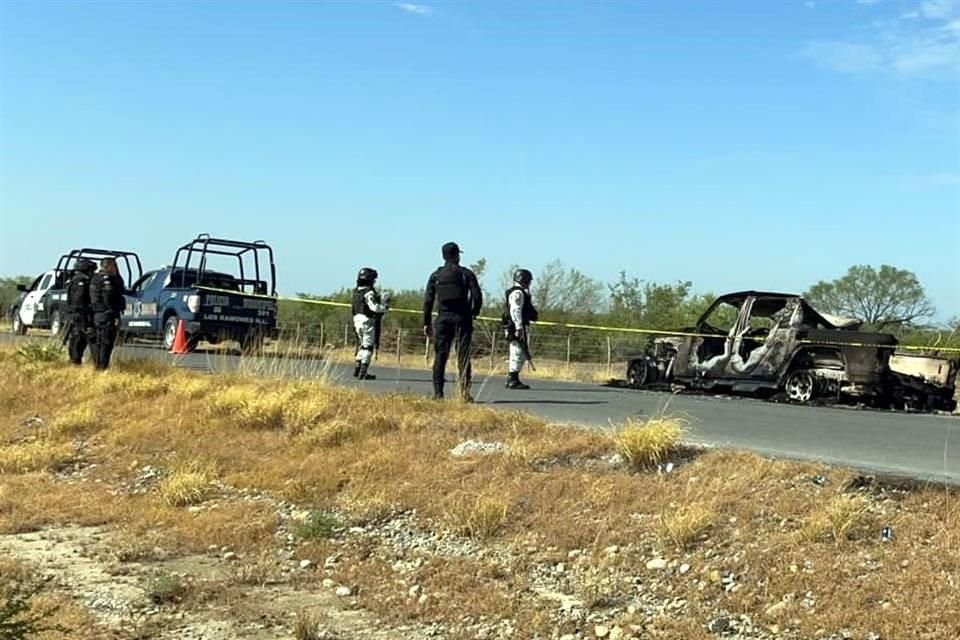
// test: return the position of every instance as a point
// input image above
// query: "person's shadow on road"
(535, 401)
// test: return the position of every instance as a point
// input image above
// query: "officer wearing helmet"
(79, 311)
(516, 321)
(368, 306)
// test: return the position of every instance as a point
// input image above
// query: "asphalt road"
(920, 446)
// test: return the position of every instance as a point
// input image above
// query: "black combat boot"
(356, 370)
(363, 375)
(513, 381)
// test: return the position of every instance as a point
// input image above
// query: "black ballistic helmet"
(450, 250)
(367, 274)
(86, 266)
(523, 277)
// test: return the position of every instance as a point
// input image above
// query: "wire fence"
(559, 346)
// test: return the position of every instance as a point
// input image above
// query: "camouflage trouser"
(364, 328)
(517, 356)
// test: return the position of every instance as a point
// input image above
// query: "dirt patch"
(121, 594)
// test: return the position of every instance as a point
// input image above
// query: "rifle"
(377, 320)
(525, 345)
(67, 330)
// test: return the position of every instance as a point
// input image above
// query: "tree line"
(885, 298)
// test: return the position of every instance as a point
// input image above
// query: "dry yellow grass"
(369, 457)
(648, 443)
(839, 519)
(684, 524)
(26, 457)
(77, 420)
(479, 516)
(308, 626)
(187, 483)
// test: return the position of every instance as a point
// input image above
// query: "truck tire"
(56, 324)
(170, 334)
(19, 328)
(637, 373)
(800, 386)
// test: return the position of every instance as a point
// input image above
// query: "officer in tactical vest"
(516, 322)
(459, 300)
(106, 298)
(79, 312)
(368, 307)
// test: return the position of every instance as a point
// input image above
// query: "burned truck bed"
(767, 343)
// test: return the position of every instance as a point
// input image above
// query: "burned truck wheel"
(638, 373)
(800, 386)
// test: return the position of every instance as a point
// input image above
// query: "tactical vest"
(106, 293)
(529, 313)
(359, 306)
(451, 285)
(78, 294)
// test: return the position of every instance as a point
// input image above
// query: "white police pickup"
(42, 304)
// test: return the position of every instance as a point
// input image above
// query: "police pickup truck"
(233, 303)
(42, 304)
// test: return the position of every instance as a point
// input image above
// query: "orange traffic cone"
(180, 339)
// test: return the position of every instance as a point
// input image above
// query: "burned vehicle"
(777, 344)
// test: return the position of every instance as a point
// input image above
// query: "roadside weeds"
(326, 489)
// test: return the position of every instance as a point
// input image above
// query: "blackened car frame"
(757, 341)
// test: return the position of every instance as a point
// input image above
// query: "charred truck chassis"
(776, 344)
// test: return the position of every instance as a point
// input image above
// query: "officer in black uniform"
(79, 311)
(459, 300)
(368, 307)
(519, 314)
(106, 298)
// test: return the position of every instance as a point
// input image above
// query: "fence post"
(322, 343)
(609, 355)
(493, 349)
(568, 348)
(346, 336)
(298, 334)
(399, 342)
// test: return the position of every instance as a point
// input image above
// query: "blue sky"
(734, 144)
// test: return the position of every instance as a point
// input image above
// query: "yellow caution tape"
(591, 327)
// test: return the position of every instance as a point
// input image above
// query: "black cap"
(451, 250)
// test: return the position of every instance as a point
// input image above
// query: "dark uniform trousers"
(450, 329)
(81, 334)
(105, 324)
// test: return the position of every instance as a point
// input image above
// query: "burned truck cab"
(757, 341)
